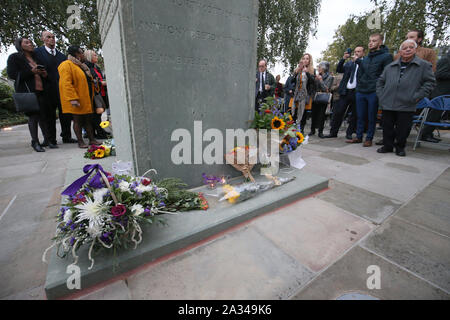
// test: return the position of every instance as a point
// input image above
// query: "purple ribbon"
(95, 183)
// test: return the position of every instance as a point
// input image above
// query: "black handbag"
(322, 98)
(27, 101)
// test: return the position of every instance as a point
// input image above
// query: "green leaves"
(284, 27)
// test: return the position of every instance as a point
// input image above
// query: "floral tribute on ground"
(271, 118)
(105, 211)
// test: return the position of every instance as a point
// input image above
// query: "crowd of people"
(74, 85)
(364, 84)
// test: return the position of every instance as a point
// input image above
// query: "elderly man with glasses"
(265, 84)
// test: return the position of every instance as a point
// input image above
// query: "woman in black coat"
(100, 88)
(24, 68)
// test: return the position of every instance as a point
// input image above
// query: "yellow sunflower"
(104, 124)
(300, 137)
(278, 124)
(99, 153)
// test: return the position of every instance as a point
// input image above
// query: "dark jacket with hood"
(371, 68)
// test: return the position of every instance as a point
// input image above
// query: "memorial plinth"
(170, 63)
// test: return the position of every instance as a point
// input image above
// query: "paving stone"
(431, 208)
(349, 275)
(325, 167)
(22, 267)
(18, 170)
(115, 291)
(419, 250)
(42, 181)
(313, 231)
(391, 182)
(443, 181)
(241, 265)
(342, 157)
(363, 203)
(4, 202)
(31, 294)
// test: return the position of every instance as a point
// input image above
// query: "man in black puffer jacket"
(370, 69)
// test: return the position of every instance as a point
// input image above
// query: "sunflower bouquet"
(105, 211)
(97, 152)
(271, 118)
(292, 140)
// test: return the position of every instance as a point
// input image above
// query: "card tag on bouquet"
(295, 159)
(121, 168)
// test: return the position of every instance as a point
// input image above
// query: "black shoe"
(400, 152)
(384, 150)
(430, 139)
(312, 133)
(37, 147)
(348, 137)
(380, 142)
(320, 135)
(53, 146)
(333, 136)
(69, 140)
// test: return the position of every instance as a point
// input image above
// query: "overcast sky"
(333, 13)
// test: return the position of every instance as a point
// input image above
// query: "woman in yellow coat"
(76, 92)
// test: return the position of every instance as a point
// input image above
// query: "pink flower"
(118, 210)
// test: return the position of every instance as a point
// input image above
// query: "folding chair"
(441, 103)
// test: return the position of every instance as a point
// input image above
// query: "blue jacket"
(51, 64)
(371, 68)
(346, 69)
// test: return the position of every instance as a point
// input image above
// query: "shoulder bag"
(27, 101)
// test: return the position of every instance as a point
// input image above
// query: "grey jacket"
(403, 94)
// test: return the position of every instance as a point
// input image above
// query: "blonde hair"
(311, 63)
(88, 54)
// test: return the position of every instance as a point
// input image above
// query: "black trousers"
(396, 127)
(339, 110)
(52, 104)
(318, 116)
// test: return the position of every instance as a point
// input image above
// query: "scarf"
(37, 78)
(83, 66)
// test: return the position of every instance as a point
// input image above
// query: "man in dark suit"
(265, 84)
(52, 59)
(347, 92)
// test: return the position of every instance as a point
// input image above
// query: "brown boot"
(354, 140)
(367, 144)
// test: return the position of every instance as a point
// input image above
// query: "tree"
(397, 18)
(284, 28)
(30, 17)
(430, 16)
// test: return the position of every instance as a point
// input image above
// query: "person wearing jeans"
(369, 71)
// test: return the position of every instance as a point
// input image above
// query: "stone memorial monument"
(170, 63)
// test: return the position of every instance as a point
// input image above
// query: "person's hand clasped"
(267, 87)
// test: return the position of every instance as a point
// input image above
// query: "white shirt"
(50, 51)
(352, 85)
(261, 84)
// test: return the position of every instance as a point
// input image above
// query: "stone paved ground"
(380, 210)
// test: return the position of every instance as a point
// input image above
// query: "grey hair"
(88, 54)
(407, 41)
(325, 65)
